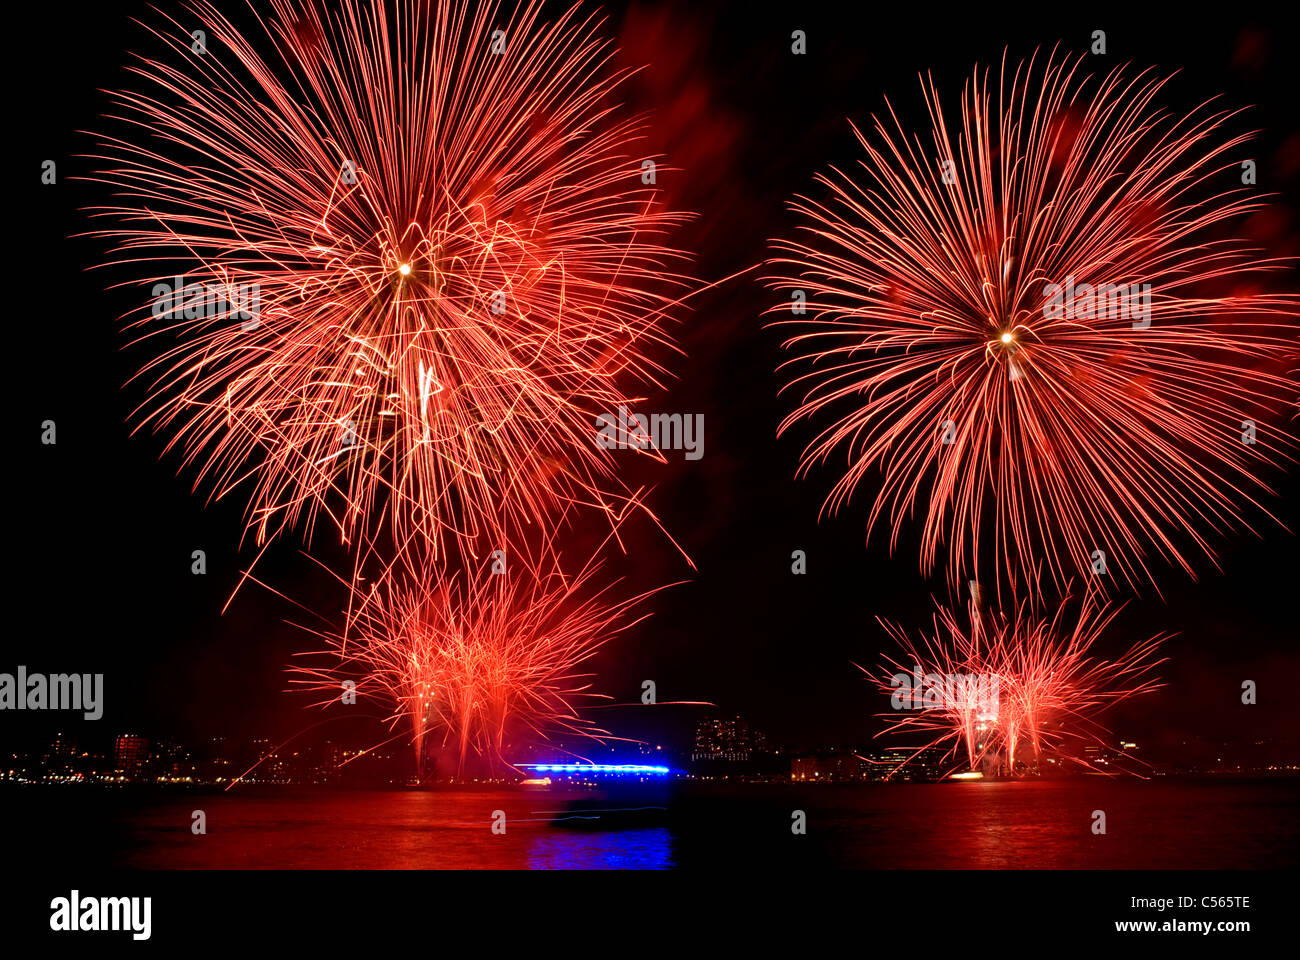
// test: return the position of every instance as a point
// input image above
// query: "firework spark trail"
(1007, 689)
(470, 661)
(457, 262)
(928, 310)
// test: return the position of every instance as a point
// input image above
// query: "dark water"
(1149, 824)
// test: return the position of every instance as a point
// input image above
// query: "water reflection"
(647, 849)
(1183, 824)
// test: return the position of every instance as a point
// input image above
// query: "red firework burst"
(1038, 335)
(473, 663)
(1006, 691)
(418, 256)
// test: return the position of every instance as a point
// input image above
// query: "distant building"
(130, 751)
(905, 763)
(726, 739)
(826, 769)
(60, 757)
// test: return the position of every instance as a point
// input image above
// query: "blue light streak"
(641, 769)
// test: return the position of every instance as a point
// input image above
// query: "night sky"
(102, 529)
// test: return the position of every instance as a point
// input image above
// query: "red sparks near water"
(1029, 426)
(455, 261)
(1004, 693)
(470, 664)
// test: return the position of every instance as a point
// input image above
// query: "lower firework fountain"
(1008, 694)
(474, 666)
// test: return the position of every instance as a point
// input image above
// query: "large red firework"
(419, 257)
(1004, 692)
(1040, 330)
(471, 664)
